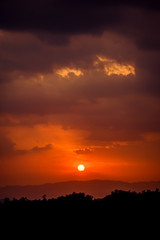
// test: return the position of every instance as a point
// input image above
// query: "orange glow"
(113, 67)
(43, 153)
(64, 72)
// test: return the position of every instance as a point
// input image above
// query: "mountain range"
(96, 188)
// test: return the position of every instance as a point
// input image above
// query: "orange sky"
(79, 90)
(50, 154)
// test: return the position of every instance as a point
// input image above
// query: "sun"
(81, 167)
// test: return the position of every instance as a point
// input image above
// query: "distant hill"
(96, 188)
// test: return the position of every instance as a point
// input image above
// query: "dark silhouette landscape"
(120, 211)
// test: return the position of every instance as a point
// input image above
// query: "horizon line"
(90, 180)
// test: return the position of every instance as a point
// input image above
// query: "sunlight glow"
(64, 72)
(81, 167)
(111, 66)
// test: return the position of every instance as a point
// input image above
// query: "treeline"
(118, 213)
(116, 197)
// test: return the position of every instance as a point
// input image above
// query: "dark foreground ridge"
(121, 210)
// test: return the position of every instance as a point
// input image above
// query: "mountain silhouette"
(95, 188)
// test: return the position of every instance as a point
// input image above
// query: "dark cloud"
(23, 54)
(112, 107)
(56, 16)
(39, 149)
(7, 148)
(54, 21)
(84, 151)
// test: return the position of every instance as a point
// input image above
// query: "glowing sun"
(81, 167)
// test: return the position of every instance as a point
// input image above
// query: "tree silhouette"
(44, 197)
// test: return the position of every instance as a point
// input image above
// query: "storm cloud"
(58, 20)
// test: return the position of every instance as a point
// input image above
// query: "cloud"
(41, 149)
(105, 106)
(55, 21)
(49, 71)
(55, 16)
(84, 151)
(8, 148)
(64, 72)
(112, 67)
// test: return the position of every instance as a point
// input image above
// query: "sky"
(79, 84)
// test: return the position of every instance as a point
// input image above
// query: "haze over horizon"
(95, 188)
(79, 84)
(81, 180)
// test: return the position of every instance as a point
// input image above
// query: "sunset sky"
(79, 84)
